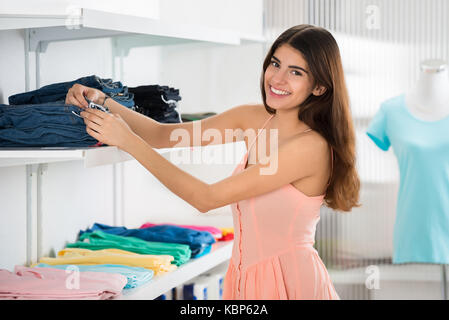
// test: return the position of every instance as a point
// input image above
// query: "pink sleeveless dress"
(273, 255)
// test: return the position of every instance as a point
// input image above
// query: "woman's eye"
(297, 73)
(274, 64)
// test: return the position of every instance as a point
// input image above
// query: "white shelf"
(90, 23)
(396, 272)
(91, 156)
(163, 283)
(25, 21)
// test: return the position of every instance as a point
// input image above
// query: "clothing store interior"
(84, 219)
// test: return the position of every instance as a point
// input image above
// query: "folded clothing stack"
(56, 92)
(157, 102)
(215, 232)
(47, 283)
(43, 125)
(219, 234)
(199, 241)
(98, 240)
(227, 234)
(40, 118)
(135, 276)
(79, 256)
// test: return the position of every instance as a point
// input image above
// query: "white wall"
(12, 62)
(147, 200)
(242, 16)
(13, 217)
(210, 77)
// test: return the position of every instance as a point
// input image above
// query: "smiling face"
(287, 79)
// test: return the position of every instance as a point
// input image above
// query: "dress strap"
(260, 130)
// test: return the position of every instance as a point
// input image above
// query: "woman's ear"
(318, 91)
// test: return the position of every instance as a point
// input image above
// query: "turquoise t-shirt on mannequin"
(421, 230)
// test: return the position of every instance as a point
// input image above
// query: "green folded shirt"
(99, 240)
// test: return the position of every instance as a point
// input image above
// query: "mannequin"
(429, 99)
(416, 125)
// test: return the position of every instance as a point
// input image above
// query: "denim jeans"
(167, 114)
(43, 125)
(125, 98)
(57, 92)
(157, 102)
(152, 92)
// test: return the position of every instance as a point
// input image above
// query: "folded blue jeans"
(125, 98)
(57, 92)
(43, 125)
(30, 116)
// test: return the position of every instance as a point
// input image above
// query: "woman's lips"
(277, 92)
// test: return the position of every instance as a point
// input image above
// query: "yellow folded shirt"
(158, 263)
(162, 262)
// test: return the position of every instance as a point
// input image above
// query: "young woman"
(275, 214)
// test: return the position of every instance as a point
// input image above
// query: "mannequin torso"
(429, 99)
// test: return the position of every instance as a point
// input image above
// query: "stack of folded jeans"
(43, 125)
(157, 102)
(57, 92)
(40, 118)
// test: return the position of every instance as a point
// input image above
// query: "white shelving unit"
(163, 283)
(399, 272)
(88, 23)
(392, 282)
(131, 32)
(92, 157)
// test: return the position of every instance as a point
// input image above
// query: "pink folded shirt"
(49, 283)
(216, 233)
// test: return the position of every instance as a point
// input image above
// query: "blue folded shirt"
(198, 241)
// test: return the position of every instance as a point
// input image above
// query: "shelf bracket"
(34, 174)
(43, 36)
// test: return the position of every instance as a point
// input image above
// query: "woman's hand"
(77, 93)
(107, 128)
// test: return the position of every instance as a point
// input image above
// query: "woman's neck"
(287, 122)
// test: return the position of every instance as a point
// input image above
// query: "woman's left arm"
(288, 164)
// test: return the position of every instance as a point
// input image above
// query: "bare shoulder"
(252, 115)
(313, 143)
(316, 138)
(312, 151)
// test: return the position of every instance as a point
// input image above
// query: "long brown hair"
(328, 114)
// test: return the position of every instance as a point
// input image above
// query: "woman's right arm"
(165, 135)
